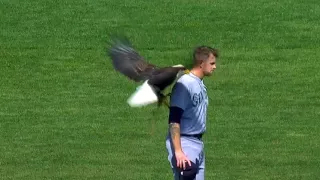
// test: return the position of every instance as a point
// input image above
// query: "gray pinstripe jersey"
(189, 93)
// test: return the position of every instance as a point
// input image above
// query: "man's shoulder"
(186, 79)
(183, 84)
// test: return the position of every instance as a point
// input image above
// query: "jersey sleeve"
(180, 96)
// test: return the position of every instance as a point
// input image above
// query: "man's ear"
(201, 63)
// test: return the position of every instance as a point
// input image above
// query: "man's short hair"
(202, 53)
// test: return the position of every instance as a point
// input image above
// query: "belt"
(198, 136)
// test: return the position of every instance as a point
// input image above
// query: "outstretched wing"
(128, 61)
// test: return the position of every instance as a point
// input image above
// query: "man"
(187, 117)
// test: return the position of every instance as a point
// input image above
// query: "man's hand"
(182, 160)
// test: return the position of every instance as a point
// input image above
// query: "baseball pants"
(193, 149)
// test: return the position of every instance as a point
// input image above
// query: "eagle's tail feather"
(144, 95)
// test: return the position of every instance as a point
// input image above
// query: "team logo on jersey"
(198, 98)
(195, 99)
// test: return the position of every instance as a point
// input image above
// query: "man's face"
(209, 65)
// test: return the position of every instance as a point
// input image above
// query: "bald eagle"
(126, 60)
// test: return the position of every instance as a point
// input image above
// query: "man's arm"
(174, 127)
(175, 136)
(178, 103)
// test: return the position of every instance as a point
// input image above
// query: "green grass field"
(63, 108)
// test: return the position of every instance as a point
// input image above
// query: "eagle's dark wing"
(128, 61)
(165, 76)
